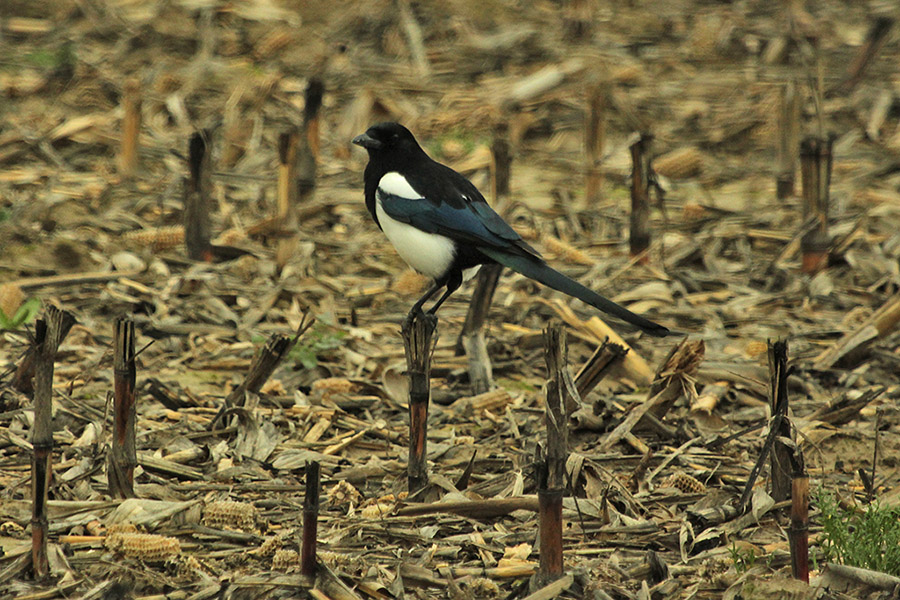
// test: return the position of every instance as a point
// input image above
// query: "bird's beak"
(367, 141)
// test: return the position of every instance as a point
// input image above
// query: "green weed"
(25, 314)
(319, 340)
(867, 538)
(744, 560)
(61, 57)
(516, 385)
(467, 141)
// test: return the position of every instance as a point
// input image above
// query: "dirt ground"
(84, 229)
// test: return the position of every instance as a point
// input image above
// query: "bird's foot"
(413, 314)
(418, 314)
(431, 319)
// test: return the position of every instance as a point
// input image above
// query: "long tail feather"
(540, 271)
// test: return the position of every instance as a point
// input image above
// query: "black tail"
(540, 271)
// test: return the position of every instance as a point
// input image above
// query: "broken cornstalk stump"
(288, 188)
(418, 334)
(131, 128)
(781, 452)
(197, 195)
(287, 196)
(550, 461)
(471, 339)
(673, 379)
(788, 130)
(578, 16)
(310, 519)
(779, 374)
(308, 152)
(594, 133)
(598, 366)
(123, 457)
(501, 163)
(23, 378)
(870, 492)
(550, 505)
(815, 170)
(47, 338)
(298, 152)
(639, 238)
(799, 531)
(262, 367)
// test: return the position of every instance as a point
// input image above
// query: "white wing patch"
(395, 184)
(428, 253)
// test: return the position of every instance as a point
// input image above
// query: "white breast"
(428, 253)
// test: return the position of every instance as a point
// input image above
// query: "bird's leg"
(417, 307)
(454, 280)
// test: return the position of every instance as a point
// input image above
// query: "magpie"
(441, 225)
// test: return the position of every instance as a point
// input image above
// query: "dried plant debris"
(228, 514)
(100, 102)
(147, 547)
(684, 482)
(286, 560)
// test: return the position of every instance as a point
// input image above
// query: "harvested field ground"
(650, 509)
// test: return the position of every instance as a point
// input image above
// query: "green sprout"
(319, 340)
(25, 314)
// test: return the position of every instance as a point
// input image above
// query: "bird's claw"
(417, 313)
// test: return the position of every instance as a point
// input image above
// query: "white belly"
(428, 253)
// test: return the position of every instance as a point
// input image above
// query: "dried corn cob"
(148, 547)
(157, 238)
(227, 514)
(286, 560)
(685, 483)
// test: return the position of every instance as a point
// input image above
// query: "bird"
(442, 226)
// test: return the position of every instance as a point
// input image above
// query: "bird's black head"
(388, 138)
